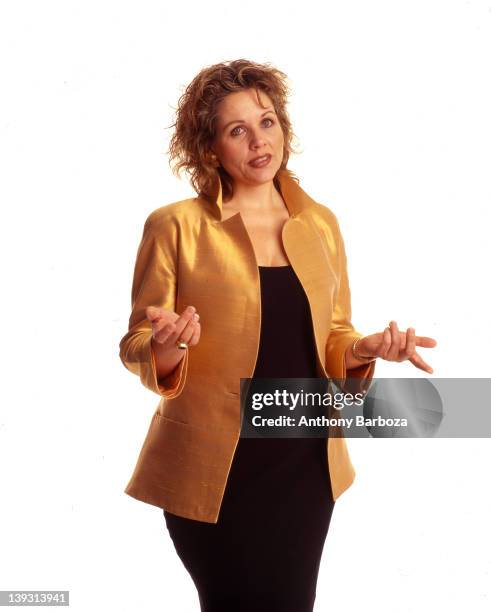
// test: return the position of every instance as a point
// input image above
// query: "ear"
(212, 158)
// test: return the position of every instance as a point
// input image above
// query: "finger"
(196, 335)
(153, 313)
(420, 363)
(158, 325)
(189, 330)
(184, 318)
(425, 342)
(386, 342)
(165, 332)
(393, 352)
(410, 342)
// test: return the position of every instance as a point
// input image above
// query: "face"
(246, 131)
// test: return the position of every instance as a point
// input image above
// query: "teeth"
(260, 159)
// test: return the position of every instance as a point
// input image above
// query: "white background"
(390, 104)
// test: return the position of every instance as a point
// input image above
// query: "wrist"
(358, 355)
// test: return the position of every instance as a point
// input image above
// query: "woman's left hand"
(395, 345)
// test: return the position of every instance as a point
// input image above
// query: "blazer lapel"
(303, 244)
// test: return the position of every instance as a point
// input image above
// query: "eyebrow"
(270, 110)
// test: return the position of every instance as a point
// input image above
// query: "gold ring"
(182, 345)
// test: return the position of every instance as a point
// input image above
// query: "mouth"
(260, 162)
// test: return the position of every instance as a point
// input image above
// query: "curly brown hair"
(196, 119)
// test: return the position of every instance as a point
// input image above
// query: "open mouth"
(259, 162)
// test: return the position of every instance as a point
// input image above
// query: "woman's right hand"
(168, 327)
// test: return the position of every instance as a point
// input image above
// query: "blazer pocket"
(170, 419)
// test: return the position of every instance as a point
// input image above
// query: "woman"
(249, 279)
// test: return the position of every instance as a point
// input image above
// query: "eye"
(235, 133)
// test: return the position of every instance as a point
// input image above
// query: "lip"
(268, 157)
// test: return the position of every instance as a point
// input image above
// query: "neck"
(254, 198)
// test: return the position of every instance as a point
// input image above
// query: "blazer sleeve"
(154, 284)
(343, 333)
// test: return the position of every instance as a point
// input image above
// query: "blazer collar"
(296, 199)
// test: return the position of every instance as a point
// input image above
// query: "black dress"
(264, 552)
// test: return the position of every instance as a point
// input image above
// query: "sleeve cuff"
(336, 365)
(168, 387)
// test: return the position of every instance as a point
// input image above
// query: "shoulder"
(171, 217)
(325, 219)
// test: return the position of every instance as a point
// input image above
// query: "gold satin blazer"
(189, 254)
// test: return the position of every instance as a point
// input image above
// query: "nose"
(257, 140)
